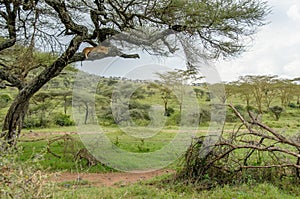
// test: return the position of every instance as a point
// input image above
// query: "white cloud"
(294, 13)
(292, 68)
(276, 48)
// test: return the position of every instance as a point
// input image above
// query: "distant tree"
(231, 89)
(285, 91)
(258, 86)
(121, 103)
(297, 93)
(276, 110)
(42, 104)
(173, 84)
(270, 93)
(243, 90)
(85, 103)
(165, 92)
(216, 28)
(296, 85)
(218, 90)
(199, 92)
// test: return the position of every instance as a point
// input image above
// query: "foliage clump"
(61, 119)
(23, 179)
(276, 110)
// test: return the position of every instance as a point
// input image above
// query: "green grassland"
(50, 118)
(143, 190)
(156, 188)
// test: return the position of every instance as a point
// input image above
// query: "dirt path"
(109, 179)
(95, 179)
(47, 134)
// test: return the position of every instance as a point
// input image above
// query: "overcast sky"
(275, 49)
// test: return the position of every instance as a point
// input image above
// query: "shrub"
(63, 120)
(23, 179)
(169, 111)
(254, 154)
(4, 100)
(174, 119)
(276, 110)
(205, 115)
(293, 105)
(252, 109)
(32, 122)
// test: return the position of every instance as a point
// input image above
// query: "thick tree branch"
(11, 79)
(277, 137)
(258, 148)
(55, 68)
(141, 39)
(10, 19)
(60, 8)
(97, 56)
(8, 43)
(270, 166)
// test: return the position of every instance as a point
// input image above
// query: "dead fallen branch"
(253, 150)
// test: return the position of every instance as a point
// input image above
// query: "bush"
(169, 111)
(276, 110)
(63, 120)
(23, 179)
(252, 109)
(33, 122)
(205, 115)
(4, 100)
(174, 119)
(30, 122)
(293, 105)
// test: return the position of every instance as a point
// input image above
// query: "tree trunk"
(298, 163)
(86, 113)
(166, 107)
(65, 105)
(14, 119)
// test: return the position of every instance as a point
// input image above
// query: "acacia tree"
(285, 90)
(242, 89)
(258, 86)
(217, 27)
(166, 94)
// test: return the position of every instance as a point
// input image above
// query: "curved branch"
(271, 166)
(11, 79)
(60, 8)
(97, 56)
(8, 43)
(52, 71)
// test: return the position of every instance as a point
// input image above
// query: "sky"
(275, 50)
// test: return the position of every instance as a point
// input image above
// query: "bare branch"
(10, 19)
(60, 8)
(271, 166)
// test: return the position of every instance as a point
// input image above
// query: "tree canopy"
(216, 28)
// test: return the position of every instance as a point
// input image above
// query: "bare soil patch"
(109, 179)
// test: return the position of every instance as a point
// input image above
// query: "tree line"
(52, 104)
